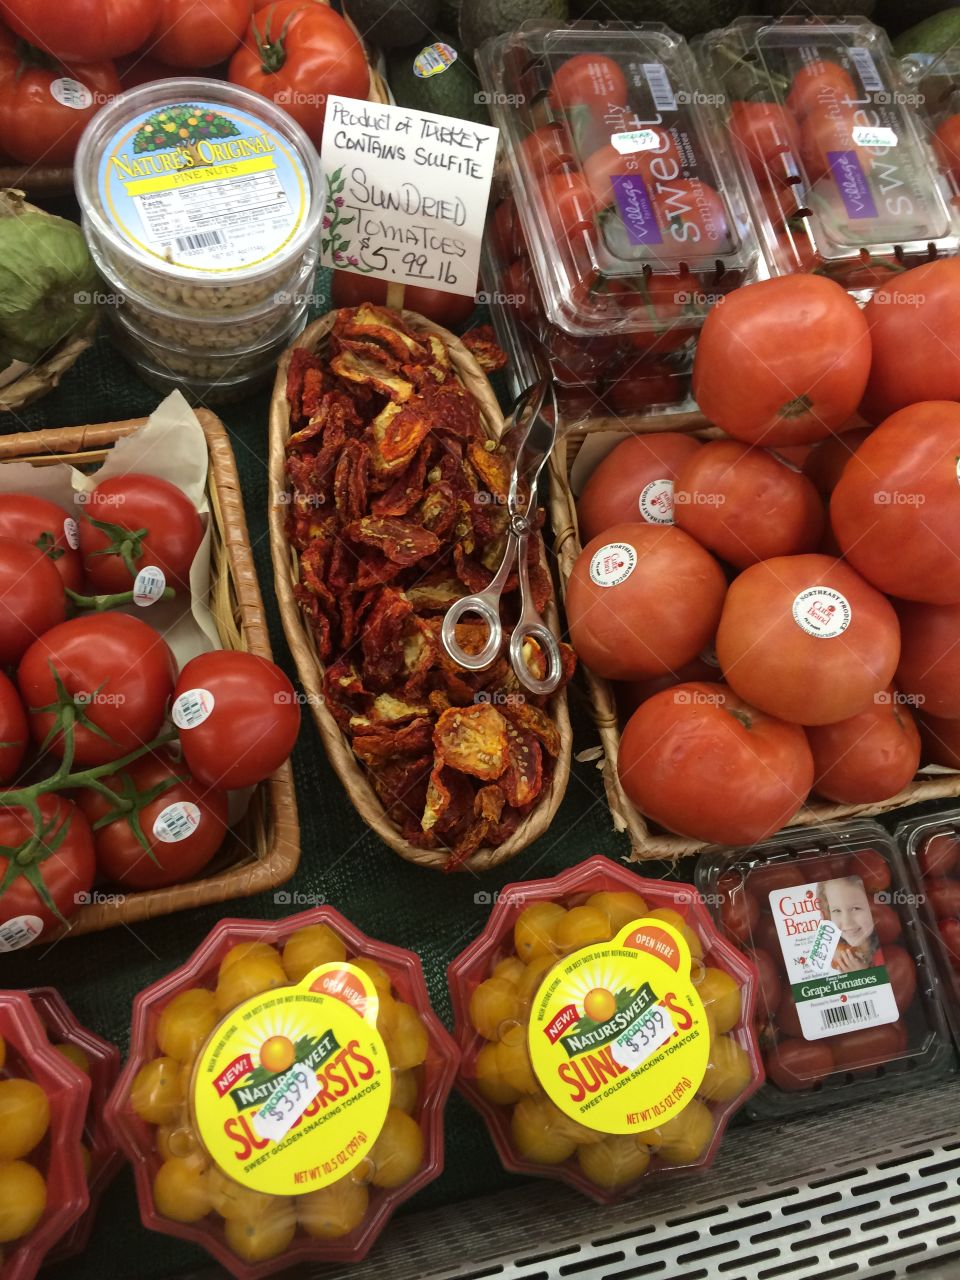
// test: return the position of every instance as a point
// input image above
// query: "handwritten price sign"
(405, 194)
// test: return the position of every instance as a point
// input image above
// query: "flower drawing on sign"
(333, 222)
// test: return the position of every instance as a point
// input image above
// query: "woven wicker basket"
(649, 842)
(262, 850)
(300, 638)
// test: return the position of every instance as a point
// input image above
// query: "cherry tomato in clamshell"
(32, 598)
(939, 854)
(49, 528)
(872, 868)
(902, 972)
(506, 230)
(764, 130)
(602, 166)
(886, 922)
(946, 145)
(569, 202)
(643, 387)
(692, 214)
(768, 993)
(796, 1065)
(764, 879)
(869, 1047)
(827, 130)
(519, 291)
(943, 895)
(546, 150)
(766, 935)
(589, 80)
(668, 302)
(788, 1020)
(134, 521)
(739, 914)
(950, 937)
(52, 880)
(826, 868)
(819, 84)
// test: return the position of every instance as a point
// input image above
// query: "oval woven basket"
(309, 666)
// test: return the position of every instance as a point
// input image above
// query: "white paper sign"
(405, 194)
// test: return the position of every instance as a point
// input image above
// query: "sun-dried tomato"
(359, 368)
(344, 693)
(401, 541)
(401, 785)
(476, 577)
(453, 410)
(382, 745)
(375, 570)
(404, 492)
(435, 592)
(350, 480)
(492, 465)
(397, 433)
(302, 361)
(473, 740)
(523, 778)
(381, 325)
(482, 343)
(438, 510)
(383, 639)
(320, 625)
(524, 715)
(342, 568)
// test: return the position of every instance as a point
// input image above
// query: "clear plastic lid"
(838, 172)
(933, 86)
(631, 207)
(848, 1003)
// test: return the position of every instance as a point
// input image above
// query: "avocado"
(449, 16)
(686, 17)
(434, 77)
(898, 16)
(388, 25)
(481, 19)
(934, 35)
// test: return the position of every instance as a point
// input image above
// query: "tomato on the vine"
(51, 876)
(194, 35)
(81, 30)
(14, 730)
(48, 527)
(32, 598)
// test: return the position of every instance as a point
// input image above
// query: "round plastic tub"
(284, 1092)
(200, 193)
(605, 1028)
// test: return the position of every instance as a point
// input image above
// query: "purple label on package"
(636, 209)
(852, 182)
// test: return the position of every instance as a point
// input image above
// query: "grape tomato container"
(831, 148)
(284, 1092)
(848, 1004)
(57, 1156)
(606, 1028)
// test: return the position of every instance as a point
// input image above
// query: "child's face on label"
(849, 910)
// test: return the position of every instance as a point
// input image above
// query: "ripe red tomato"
(140, 68)
(869, 757)
(669, 304)
(48, 527)
(773, 877)
(14, 731)
(950, 937)
(81, 30)
(149, 522)
(623, 624)
(872, 868)
(768, 995)
(826, 460)
(946, 144)
(760, 769)
(763, 387)
(766, 935)
(349, 289)
(32, 598)
(886, 922)
(655, 164)
(630, 693)
(869, 1047)
(119, 674)
(806, 639)
(299, 55)
(744, 505)
(929, 667)
(796, 1065)
(690, 213)
(63, 858)
(915, 333)
(788, 1020)
(36, 125)
(939, 854)
(940, 740)
(902, 973)
(238, 718)
(546, 149)
(764, 130)
(820, 83)
(739, 912)
(943, 895)
(184, 825)
(634, 482)
(194, 35)
(589, 80)
(896, 509)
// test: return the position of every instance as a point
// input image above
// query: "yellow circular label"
(292, 1089)
(618, 1036)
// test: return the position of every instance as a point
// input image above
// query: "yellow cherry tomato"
(24, 1117)
(581, 926)
(178, 1141)
(404, 1090)
(685, 1137)
(230, 1200)
(73, 1053)
(247, 951)
(720, 993)
(181, 1191)
(511, 968)
(513, 1061)
(156, 1094)
(534, 933)
(248, 976)
(669, 916)
(387, 1016)
(23, 1198)
(309, 947)
(407, 1042)
(265, 1235)
(333, 1211)
(620, 908)
(397, 1153)
(489, 1078)
(494, 1004)
(566, 1127)
(615, 1161)
(533, 976)
(376, 973)
(728, 1071)
(535, 1135)
(186, 1022)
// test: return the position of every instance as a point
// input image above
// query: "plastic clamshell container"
(831, 148)
(848, 1005)
(30, 1055)
(933, 86)
(202, 193)
(931, 845)
(62, 1027)
(630, 206)
(420, 1089)
(608, 1153)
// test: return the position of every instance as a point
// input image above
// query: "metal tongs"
(535, 447)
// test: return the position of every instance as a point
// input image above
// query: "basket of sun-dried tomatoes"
(389, 484)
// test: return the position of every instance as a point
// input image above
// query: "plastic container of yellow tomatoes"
(284, 1092)
(100, 1061)
(605, 1028)
(43, 1103)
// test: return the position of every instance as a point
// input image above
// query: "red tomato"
(739, 914)
(910, 364)
(119, 674)
(623, 624)
(783, 645)
(950, 937)
(14, 731)
(569, 202)
(939, 854)
(869, 757)
(643, 386)
(896, 509)
(519, 288)
(764, 130)
(32, 598)
(63, 858)
(768, 995)
(150, 522)
(766, 935)
(946, 145)
(869, 1046)
(634, 482)
(940, 739)
(590, 80)
(48, 527)
(744, 505)
(299, 55)
(760, 769)
(249, 722)
(788, 1020)
(773, 876)
(929, 667)
(140, 68)
(631, 693)
(656, 164)
(820, 83)
(184, 824)
(349, 289)
(872, 868)
(886, 922)
(796, 1065)
(194, 35)
(826, 129)
(81, 30)
(690, 213)
(800, 351)
(36, 127)
(943, 895)
(826, 460)
(546, 150)
(507, 234)
(902, 973)
(669, 304)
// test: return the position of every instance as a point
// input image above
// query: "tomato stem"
(103, 602)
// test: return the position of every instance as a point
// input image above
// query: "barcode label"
(18, 932)
(199, 240)
(867, 69)
(660, 86)
(192, 707)
(841, 1015)
(176, 822)
(149, 586)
